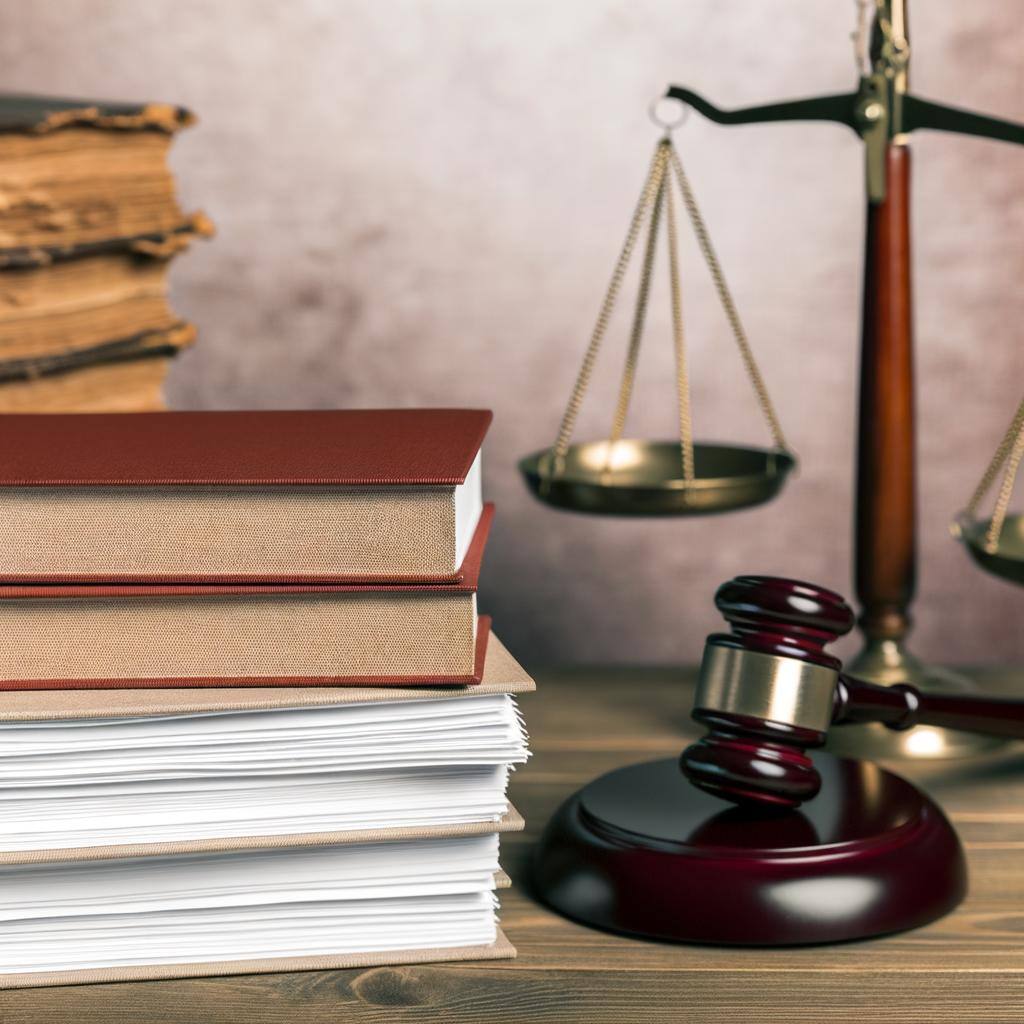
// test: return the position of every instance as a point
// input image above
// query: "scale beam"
(920, 113)
(841, 108)
(876, 111)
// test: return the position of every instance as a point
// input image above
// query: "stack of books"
(88, 225)
(251, 719)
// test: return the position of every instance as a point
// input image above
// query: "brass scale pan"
(647, 482)
(1007, 560)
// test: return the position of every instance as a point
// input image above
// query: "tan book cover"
(500, 949)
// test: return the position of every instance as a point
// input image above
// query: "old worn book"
(176, 833)
(158, 244)
(79, 305)
(324, 496)
(88, 221)
(76, 174)
(117, 386)
(77, 308)
(148, 344)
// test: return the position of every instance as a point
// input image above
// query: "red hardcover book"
(319, 496)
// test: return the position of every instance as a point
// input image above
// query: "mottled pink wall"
(420, 202)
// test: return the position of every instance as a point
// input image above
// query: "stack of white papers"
(385, 764)
(299, 902)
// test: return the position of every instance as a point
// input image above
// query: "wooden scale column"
(885, 537)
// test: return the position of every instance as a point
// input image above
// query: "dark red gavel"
(769, 691)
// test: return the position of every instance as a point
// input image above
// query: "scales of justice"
(818, 848)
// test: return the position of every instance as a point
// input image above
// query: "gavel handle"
(903, 706)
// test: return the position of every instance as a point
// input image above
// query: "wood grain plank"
(464, 993)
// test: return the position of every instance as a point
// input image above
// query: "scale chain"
(656, 198)
(995, 528)
(640, 313)
(725, 297)
(1011, 446)
(587, 368)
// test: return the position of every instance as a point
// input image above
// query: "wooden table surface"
(968, 967)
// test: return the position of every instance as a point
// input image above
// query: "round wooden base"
(642, 851)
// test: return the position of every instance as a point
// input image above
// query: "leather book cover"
(337, 447)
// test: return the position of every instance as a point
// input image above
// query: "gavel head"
(766, 691)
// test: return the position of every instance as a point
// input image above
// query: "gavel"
(769, 691)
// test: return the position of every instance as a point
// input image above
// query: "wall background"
(420, 201)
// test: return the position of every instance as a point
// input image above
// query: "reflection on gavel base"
(760, 839)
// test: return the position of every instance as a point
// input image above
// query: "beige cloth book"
(223, 637)
(109, 636)
(502, 673)
(390, 496)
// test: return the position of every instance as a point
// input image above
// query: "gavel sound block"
(653, 850)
